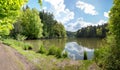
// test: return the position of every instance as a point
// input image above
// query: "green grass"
(55, 51)
(45, 62)
(42, 50)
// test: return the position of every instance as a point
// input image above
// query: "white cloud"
(62, 14)
(87, 8)
(106, 14)
(81, 23)
(44, 8)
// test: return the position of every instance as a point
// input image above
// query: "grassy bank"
(45, 62)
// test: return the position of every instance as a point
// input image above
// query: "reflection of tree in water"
(87, 42)
(91, 43)
(48, 43)
(55, 42)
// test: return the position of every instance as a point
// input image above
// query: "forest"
(33, 24)
(99, 31)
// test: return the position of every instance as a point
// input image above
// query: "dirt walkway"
(10, 59)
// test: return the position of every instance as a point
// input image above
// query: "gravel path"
(10, 59)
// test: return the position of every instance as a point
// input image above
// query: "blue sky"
(75, 14)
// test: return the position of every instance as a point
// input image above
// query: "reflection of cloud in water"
(76, 51)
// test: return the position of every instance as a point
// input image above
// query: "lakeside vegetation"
(32, 24)
(35, 25)
(52, 62)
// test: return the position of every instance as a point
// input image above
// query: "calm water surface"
(74, 47)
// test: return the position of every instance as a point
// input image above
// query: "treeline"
(51, 27)
(71, 34)
(93, 31)
(33, 25)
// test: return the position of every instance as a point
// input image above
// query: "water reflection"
(76, 52)
(75, 47)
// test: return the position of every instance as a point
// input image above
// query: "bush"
(64, 54)
(51, 51)
(20, 37)
(101, 55)
(41, 49)
(85, 55)
(27, 46)
(55, 51)
(58, 53)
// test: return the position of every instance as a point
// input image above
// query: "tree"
(51, 27)
(29, 24)
(113, 59)
(99, 31)
(9, 10)
(93, 31)
(58, 30)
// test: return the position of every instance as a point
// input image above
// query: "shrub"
(27, 46)
(41, 49)
(51, 51)
(64, 54)
(85, 55)
(55, 51)
(58, 53)
(101, 55)
(20, 37)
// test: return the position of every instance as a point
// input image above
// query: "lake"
(73, 46)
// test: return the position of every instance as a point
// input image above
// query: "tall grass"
(57, 52)
(24, 46)
(20, 37)
(42, 50)
(64, 54)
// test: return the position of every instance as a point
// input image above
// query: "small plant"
(20, 37)
(41, 49)
(58, 53)
(85, 55)
(55, 51)
(51, 51)
(64, 54)
(27, 46)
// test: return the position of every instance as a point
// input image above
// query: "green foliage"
(99, 31)
(40, 2)
(9, 10)
(42, 50)
(85, 55)
(11, 42)
(71, 34)
(64, 54)
(58, 53)
(20, 37)
(27, 46)
(5, 26)
(58, 30)
(55, 51)
(101, 55)
(51, 28)
(29, 24)
(47, 64)
(52, 50)
(112, 61)
(93, 32)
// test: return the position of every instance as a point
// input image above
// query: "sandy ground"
(10, 59)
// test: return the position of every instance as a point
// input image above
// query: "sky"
(75, 14)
